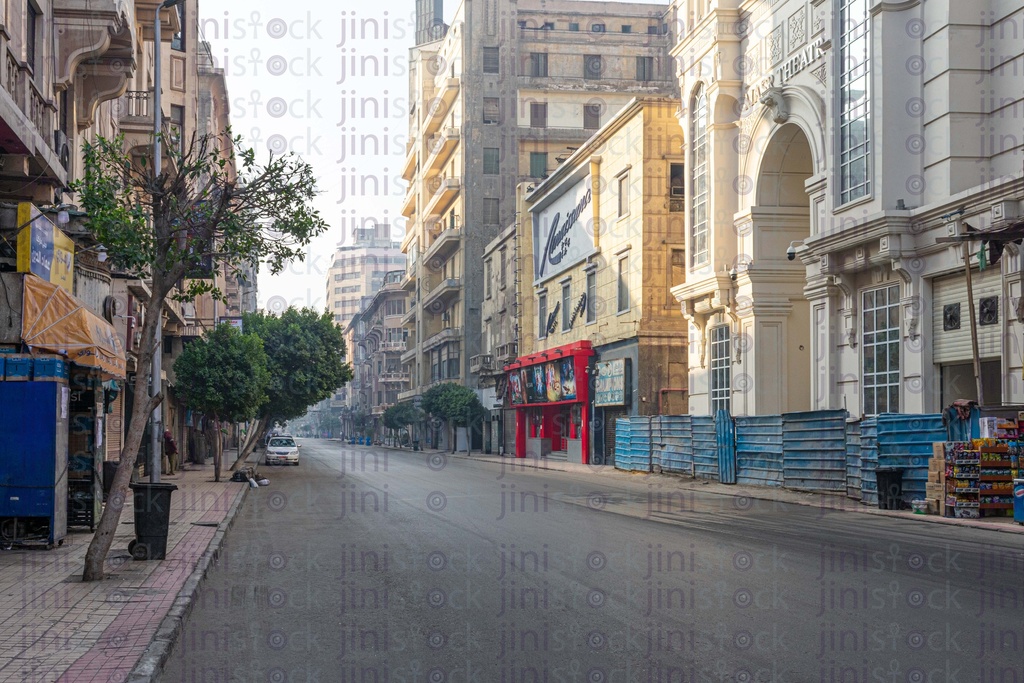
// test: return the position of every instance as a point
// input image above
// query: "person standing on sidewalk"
(170, 453)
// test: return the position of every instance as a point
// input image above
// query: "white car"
(282, 450)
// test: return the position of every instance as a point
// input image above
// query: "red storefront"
(550, 391)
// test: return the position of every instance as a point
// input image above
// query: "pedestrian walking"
(170, 453)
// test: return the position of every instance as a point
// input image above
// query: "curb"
(757, 495)
(151, 663)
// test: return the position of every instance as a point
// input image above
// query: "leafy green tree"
(223, 375)
(459, 406)
(305, 351)
(213, 206)
(402, 416)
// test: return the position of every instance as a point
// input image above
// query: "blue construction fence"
(812, 451)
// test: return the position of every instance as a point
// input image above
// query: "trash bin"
(152, 520)
(415, 444)
(890, 488)
(1018, 501)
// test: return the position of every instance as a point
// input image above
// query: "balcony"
(444, 245)
(439, 107)
(379, 409)
(408, 282)
(391, 346)
(440, 147)
(394, 377)
(445, 189)
(410, 355)
(410, 315)
(135, 121)
(446, 290)
(408, 207)
(505, 353)
(481, 364)
(446, 335)
(409, 163)
(407, 395)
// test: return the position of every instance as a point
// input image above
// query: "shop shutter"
(610, 416)
(954, 345)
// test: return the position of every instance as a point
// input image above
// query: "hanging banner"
(563, 232)
(43, 249)
(612, 387)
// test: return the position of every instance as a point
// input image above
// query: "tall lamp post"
(156, 433)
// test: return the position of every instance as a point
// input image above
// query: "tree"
(224, 376)
(402, 416)
(213, 204)
(456, 404)
(304, 351)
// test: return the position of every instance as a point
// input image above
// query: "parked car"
(282, 450)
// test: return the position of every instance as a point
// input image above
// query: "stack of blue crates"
(22, 367)
(49, 369)
(18, 367)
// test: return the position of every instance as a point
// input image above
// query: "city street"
(376, 565)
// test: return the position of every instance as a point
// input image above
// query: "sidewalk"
(57, 628)
(826, 502)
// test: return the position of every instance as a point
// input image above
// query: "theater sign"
(563, 232)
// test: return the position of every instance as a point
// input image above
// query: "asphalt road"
(374, 565)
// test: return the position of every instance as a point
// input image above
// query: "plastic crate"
(2, 364)
(18, 368)
(49, 369)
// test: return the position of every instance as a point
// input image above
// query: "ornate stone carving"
(775, 52)
(797, 29)
(821, 73)
(776, 103)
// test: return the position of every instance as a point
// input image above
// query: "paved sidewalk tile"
(54, 627)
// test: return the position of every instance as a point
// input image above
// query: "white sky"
(290, 68)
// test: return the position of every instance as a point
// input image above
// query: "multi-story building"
(358, 270)
(800, 141)
(508, 92)
(600, 242)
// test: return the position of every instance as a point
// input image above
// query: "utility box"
(33, 462)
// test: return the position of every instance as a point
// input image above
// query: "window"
(492, 110)
(591, 66)
(490, 211)
(653, 30)
(591, 296)
(574, 26)
(623, 185)
(645, 68)
(542, 315)
(32, 39)
(491, 156)
(538, 65)
(854, 105)
(548, 26)
(597, 28)
(881, 350)
(178, 40)
(626, 28)
(394, 307)
(721, 370)
(538, 115)
(566, 306)
(591, 116)
(504, 271)
(676, 180)
(538, 164)
(622, 279)
(699, 184)
(177, 127)
(491, 64)
(487, 279)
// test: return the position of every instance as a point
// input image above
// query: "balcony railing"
(394, 377)
(445, 335)
(504, 353)
(392, 346)
(482, 363)
(446, 289)
(136, 104)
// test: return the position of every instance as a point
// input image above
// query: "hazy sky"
(328, 81)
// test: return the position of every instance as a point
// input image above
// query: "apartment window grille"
(538, 115)
(538, 164)
(880, 347)
(591, 66)
(699, 164)
(645, 69)
(591, 296)
(491, 158)
(492, 110)
(721, 370)
(492, 64)
(854, 103)
(538, 64)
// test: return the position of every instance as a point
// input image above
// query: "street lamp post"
(155, 382)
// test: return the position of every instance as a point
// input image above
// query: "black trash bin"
(890, 488)
(415, 444)
(152, 520)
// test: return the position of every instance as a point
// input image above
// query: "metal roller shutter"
(950, 346)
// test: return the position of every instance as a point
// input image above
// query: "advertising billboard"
(43, 249)
(563, 232)
(612, 386)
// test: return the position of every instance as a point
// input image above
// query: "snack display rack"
(979, 474)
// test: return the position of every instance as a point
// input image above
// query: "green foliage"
(223, 374)
(457, 404)
(207, 213)
(305, 351)
(401, 415)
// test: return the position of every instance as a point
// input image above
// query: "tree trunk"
(142, 407)
(218, 448)
(255, 434)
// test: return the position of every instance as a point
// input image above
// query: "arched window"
(699, 179)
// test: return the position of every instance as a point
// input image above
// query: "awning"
(56, 322)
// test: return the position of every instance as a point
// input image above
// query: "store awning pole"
(974, 323)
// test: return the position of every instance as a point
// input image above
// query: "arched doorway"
(774, 313)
